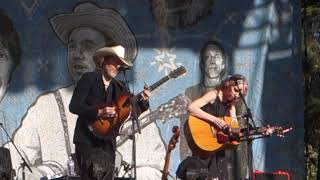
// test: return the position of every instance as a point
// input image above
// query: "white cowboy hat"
(107, 21)
(117, 51)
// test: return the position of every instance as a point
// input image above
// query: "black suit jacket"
(88, 96)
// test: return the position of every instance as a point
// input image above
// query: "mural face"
(214, 61)
(9, 51)
(82, 44)
(213, 64)
(6, 66)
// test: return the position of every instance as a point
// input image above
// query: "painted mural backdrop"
(46, 46)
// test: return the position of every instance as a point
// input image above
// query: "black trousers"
(217, 163)
(96, 162)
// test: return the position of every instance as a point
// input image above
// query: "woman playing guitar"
(213, 105)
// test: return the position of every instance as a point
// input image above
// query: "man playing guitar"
(95, 97)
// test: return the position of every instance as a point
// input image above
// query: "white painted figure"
(45, 135)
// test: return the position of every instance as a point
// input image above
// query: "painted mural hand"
(146, 93)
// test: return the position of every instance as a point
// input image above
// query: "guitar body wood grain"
(101, 127)
(202, 136)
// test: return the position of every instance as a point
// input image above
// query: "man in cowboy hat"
(92, 90)
(46, 131)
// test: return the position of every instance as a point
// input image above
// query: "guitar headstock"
(281, 131)
(175, 138)
(177, 72)
(277, 130)
(174, 108)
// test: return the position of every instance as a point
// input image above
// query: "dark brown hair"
(233, 80)
(10, 38)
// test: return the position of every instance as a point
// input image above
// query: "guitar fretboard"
(159, 83)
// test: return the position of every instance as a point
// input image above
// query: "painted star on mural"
(43, 65)
(166, 60)
(29, 8)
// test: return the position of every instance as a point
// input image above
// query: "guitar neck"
(155, 85)
(257, 131)
(159, 83)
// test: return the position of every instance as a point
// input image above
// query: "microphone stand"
(134, 119)
(248, 117)
(24, 163)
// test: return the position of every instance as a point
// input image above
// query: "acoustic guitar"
(204, 138)
(172, 144)
(101, 127)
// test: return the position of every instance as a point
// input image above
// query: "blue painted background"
(248, 30)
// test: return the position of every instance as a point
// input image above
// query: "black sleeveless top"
(217, 108)
(217, 162)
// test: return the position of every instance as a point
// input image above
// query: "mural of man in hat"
(45, 135)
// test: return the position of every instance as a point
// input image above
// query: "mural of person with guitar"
(211, 107)
(95, 97)
(82, 31)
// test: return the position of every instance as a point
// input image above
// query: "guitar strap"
(64, 121)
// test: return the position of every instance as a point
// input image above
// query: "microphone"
(123, 69)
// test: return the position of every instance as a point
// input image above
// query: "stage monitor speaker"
(72, 178)
(192, 167)
(61, 178)
(78, 178)
(279, 175)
